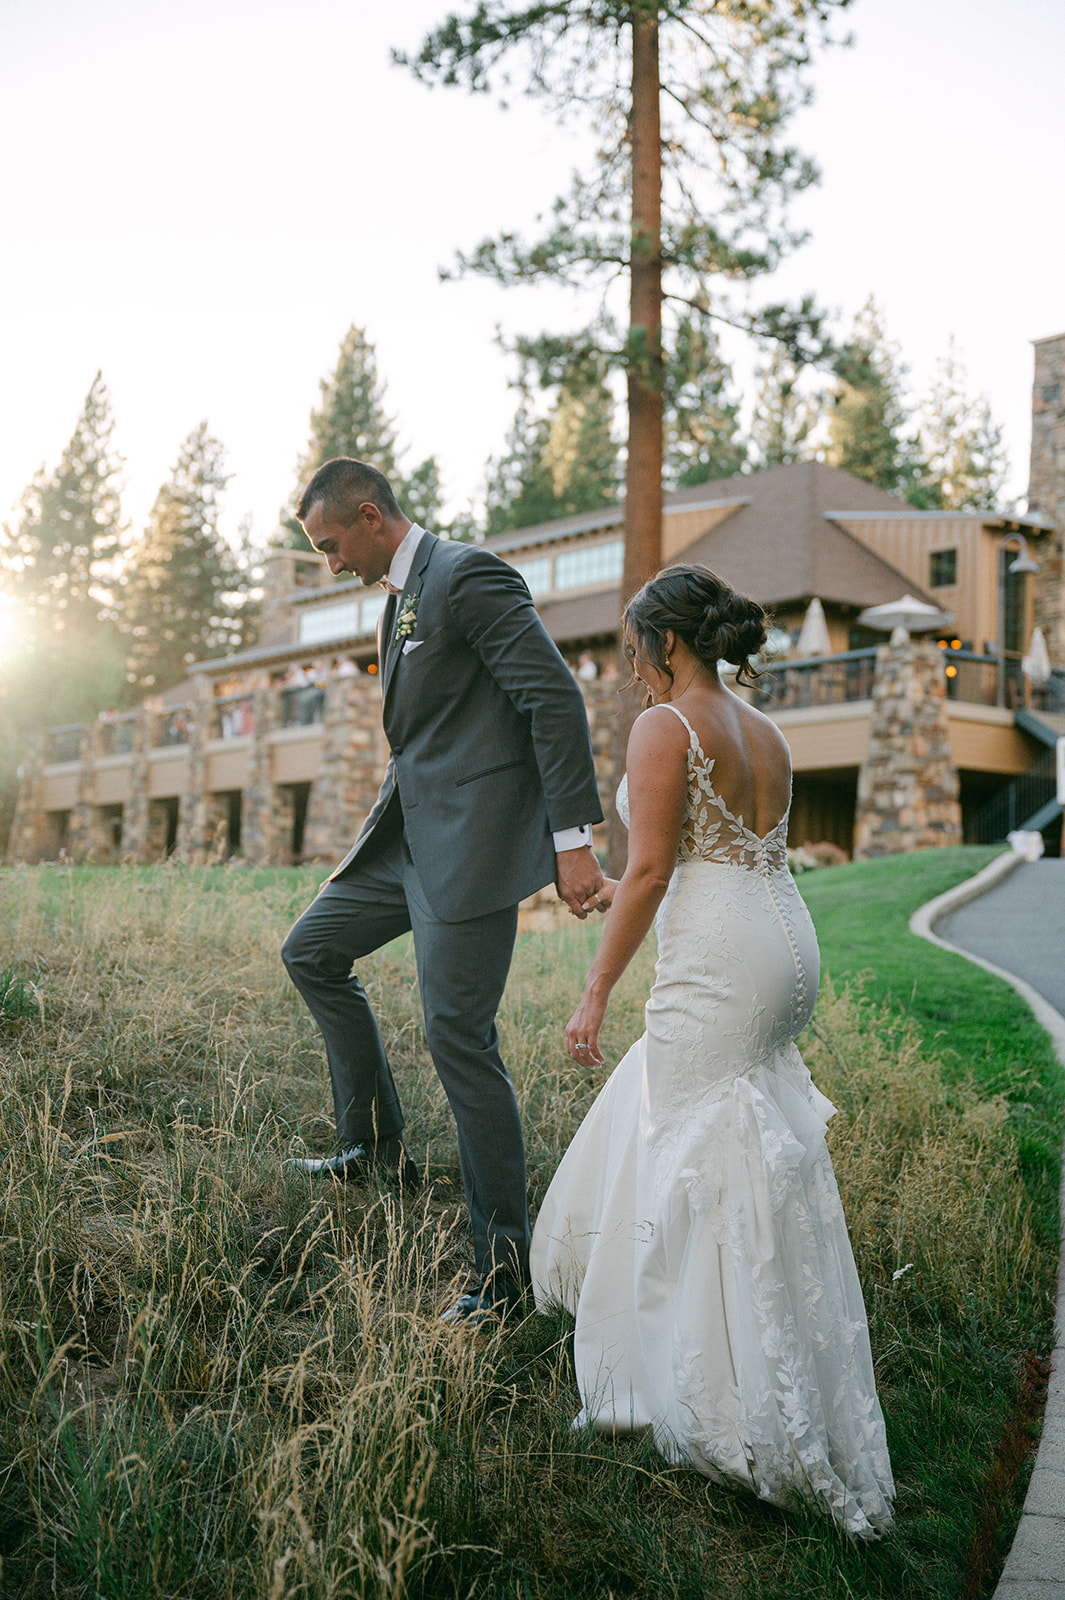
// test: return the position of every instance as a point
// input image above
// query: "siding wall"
(908, 545)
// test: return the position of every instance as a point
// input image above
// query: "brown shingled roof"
(584, 617)
(778, 545)
(782, 547)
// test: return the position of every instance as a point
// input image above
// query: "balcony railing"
(171, 727)
(234, 716)
(302, 705)
(783, 685)
(1049, 696)
(64, 744)
(116, 734)
(817, 681)
(975, 679)
(971, 678)
(1017, 804)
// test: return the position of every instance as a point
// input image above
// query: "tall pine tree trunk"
(643, 470)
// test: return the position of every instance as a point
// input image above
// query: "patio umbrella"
(908, 614)
(813, 637)
(1036, 664)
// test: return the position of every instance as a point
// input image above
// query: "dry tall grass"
(220, 1381)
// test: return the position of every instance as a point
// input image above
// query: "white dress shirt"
(398, 573)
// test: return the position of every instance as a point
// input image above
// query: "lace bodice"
(710, 832)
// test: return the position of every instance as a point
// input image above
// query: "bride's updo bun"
(715, 622)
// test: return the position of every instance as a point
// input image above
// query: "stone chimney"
(1046, 491)
(284, 573)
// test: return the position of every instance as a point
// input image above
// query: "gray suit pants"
(462, 970)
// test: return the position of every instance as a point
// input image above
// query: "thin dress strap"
(692, 733)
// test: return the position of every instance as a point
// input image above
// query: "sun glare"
(10, 628)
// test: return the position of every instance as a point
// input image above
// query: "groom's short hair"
(341, 486)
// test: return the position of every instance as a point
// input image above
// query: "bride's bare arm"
(658, 787)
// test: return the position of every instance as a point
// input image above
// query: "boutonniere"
(408, 616)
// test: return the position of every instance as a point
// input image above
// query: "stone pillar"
(28, 840)
(193, 828)
(354, 758)
(218, 832)
(135, 845)
(156, 831)
(908, 784)
(82, 839)
(1046, 491)
(260, 842)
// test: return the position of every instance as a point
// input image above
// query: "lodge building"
(274, 754)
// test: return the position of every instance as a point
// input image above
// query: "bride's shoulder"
(659, 731)
(663, 717)
(656, 766)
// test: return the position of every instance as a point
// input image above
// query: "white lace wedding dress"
(694, 1226)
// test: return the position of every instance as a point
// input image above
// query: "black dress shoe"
(494, 1298)
(363, 1161)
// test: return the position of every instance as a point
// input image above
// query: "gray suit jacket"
(489, 736)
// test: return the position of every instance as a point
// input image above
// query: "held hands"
(580, 880)
(603, 897)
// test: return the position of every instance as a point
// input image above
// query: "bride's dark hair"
(715, 622)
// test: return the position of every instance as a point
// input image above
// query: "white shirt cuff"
(573, 838)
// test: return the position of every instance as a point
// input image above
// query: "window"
(601, 563)
(1014, 608)
(347, 620)
(537, 574)
(330, 622)
(943, 568)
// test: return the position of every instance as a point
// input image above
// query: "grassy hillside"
(219, 1380)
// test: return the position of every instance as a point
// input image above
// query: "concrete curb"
(1035, 1567)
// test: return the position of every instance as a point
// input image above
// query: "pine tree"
(67, 662)
(581, 451)
(556, 464)
(179, 599)
(690, 186)
(784, 418)
(867, 414)
(56, 560)
(701, 414)
(689, 101)
(352, 421)
(962, 444)
(520, 491)
(420, 495)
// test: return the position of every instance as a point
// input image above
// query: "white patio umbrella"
(813, 637)
(1036, 664)
(905, 616)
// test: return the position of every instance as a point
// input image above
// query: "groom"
(489, 793)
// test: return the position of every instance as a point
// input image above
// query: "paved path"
(1011, 919)
(1019, 925)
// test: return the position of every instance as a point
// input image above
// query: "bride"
(694, 1226)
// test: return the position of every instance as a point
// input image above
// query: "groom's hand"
(578, 878)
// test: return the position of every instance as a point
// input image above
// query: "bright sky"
(200, 199)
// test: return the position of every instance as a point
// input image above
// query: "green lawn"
(976, 1024)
